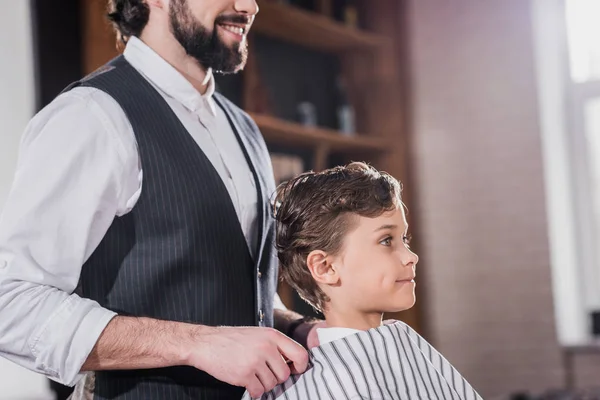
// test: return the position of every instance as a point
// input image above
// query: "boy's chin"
(400, 305)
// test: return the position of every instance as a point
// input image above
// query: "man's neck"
(172, 52)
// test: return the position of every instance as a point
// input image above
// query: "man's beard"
(204, 45)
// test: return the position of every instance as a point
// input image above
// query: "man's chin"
(230, 67)
(234, 61)
(229, 71)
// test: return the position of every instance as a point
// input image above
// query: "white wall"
(17, 102)
(16, 85)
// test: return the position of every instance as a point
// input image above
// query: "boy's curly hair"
(315, 211)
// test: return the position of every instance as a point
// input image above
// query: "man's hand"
(255, 358)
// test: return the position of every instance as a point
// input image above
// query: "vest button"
(259, 274)
(261, 316)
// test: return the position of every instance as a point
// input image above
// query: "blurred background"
(487, 110)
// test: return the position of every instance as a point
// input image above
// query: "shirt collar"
(167, 79)
(327, 335)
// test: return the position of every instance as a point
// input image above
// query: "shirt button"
(261, 316)
(3, 264)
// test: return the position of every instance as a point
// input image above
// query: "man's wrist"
(192, 335)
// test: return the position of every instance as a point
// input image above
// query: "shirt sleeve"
(68, 187)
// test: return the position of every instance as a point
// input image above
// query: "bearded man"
(138, 238)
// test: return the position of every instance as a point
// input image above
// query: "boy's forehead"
(396, 217)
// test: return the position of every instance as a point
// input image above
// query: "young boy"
(342, 243)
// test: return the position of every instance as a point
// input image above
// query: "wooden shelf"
(282, 132)
(312, 30)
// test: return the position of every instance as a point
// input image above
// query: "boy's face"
(376, 268)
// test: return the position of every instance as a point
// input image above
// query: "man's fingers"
(294, 353)
(255, 388)
(267, 378)
(280, 368)
(294, 371)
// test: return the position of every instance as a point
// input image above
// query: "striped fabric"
(390, 362)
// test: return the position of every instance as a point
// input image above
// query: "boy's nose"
(410, 259)
(415, 258)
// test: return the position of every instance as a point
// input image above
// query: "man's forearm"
(139, 343)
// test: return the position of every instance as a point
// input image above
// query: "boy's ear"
(321, 269)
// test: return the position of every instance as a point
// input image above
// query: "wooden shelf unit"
(278, 131)
(312, 30)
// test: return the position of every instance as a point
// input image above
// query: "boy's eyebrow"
(390, 227)
(383, 227)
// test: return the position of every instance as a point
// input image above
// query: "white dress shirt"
(78, 168)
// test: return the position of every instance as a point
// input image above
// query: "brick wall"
(480, 209)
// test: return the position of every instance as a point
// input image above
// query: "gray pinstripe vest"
(180, 254)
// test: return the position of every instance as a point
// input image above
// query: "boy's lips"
(406, 280)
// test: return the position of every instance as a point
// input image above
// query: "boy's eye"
(387, 241)
(406, 239)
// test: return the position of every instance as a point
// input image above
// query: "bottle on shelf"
(307, 114)
(346, 12)
(344, 110)
(306, 110)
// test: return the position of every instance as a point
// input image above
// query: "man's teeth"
(235, 29)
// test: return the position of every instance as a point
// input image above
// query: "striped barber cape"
(389, 362)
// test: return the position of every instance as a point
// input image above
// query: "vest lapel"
(245, 144)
